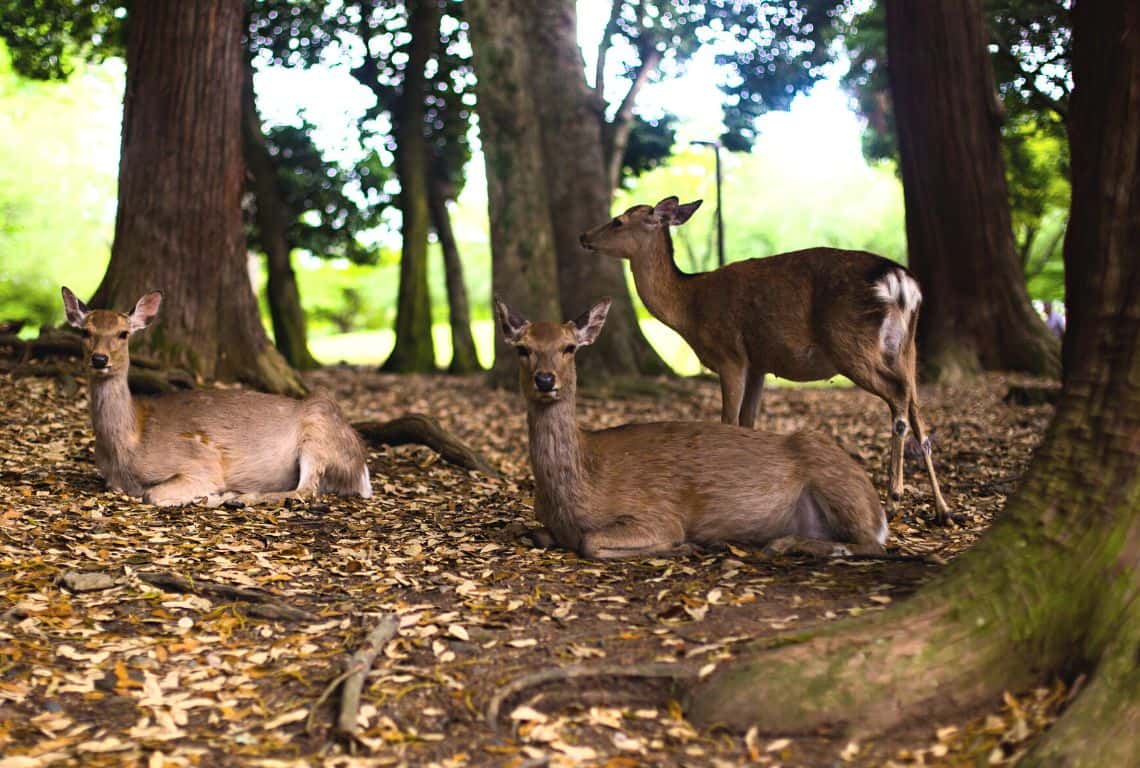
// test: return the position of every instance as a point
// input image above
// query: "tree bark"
(178, 226)
(463, 356)
(523, 267)
(976, 312)
(1053, 588)
(414, 350)
(289, 333)
(579, 191)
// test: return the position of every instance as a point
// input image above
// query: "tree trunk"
(463, 357)
(178, 226)
(976, 312)
(289, 333)
(523, 268)
(579, 191)
(1053, 588)
(414, 350)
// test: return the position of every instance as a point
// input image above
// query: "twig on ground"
(357, 669)
(520, 684)
(263, 605)
(421, 429)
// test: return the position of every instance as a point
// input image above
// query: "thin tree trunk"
(289, 332)
(615, 133)
(414, 350)
(1053, 588)
(580, 192)
(463, 356)
(178, 226)
(976, 312)
(523, 267)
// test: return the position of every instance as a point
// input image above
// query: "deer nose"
(99, 361)
(544, 381)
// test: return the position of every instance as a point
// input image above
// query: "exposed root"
(263, 604)
(421, 429)
(670, 672)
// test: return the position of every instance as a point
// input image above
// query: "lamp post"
(715, 144)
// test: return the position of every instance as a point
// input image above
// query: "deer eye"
(569, 349)
(523, 351)
(617, 222)
(124, 334)
(86, 333)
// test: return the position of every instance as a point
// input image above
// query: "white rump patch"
(365, 485)
(900, 292)
(883, 533)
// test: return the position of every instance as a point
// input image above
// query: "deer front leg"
(753, 394)
(631, 538)
(898, 435)
(180, 490)
(731, 391)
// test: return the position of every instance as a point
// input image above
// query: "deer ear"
(589, 324)
(663, 212)
(512, 324)
(75, 309)
(683, 212)
(146, 309)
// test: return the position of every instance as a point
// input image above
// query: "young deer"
(643, 489)
(803, 315)
(174, 449)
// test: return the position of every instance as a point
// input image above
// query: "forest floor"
(131, 674)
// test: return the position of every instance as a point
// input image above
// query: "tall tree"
(1052, 588)
(976, 312)
(178, 226)
(272, 217)
(463, 356)
(523, 270)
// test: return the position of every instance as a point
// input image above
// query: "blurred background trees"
(349, 211)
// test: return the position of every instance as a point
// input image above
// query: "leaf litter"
(132, 635)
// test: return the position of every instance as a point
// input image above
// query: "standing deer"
(644, 489)
(174, 449)
(803, 315)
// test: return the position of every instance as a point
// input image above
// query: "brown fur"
(649, 488)
(174, 449)
(803, 315)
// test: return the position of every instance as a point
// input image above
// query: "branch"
(604, 48)
(421, 429)
(357, 669)
(617, 132)
(264, 605)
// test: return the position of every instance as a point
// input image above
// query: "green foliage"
(650, 144)
(57, 185)
(49, 39)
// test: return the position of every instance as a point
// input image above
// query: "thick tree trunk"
(178, 226)
(463, 357)
(523, 266)
(289, 332)
(414, 350)
(579, 191)
(976, 312)
(1053, 588)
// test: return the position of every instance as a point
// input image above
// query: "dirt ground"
(130, 674)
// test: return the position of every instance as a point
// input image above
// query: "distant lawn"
(373, 348)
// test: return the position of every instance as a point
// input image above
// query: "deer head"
(106, 333)
(628, 234)
(546, 349)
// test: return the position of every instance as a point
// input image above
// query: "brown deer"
(644, 489)
(176, 449)
(803, 315)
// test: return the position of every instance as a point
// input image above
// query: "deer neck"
(560, 479)
(661, 285)
(113, 417)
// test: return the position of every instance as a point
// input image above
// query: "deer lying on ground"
(175, 449)
(803, 315)
(645, 489)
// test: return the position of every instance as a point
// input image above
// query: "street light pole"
(715, 144)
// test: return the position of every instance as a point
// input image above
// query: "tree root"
(671, 672)
(422, 429)
(263, 604)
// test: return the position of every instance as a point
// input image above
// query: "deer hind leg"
(732, 377)
(629, 538)
(753, 398)
(941, 509)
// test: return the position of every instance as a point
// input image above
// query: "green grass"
(373, 348)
